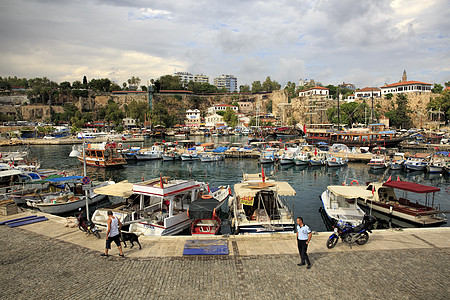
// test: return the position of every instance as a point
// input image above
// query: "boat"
(381, 197)
(436, 164)
(288, 155)
(340, 203)
(260, 206)
(377, 162)
(397, 162)
(156, 207)
(129, 153)
(170, 156)
(103, 155)
(268, 156)
(302, 158)
(340, 160)
(75, 151)
(190, 155)
(204, 214)
(375, 135)
(71, 197)
(155, 152)
(211, 157)
(319, 158)
(415, 164)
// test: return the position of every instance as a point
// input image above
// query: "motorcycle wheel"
(332, 242)
(81, 228)
(363, 238)
(97, 234)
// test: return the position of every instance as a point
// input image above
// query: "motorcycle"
(351, 235)
(87, 226)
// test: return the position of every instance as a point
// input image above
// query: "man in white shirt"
(303, 238)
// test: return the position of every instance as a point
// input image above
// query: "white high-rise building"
(226, 81)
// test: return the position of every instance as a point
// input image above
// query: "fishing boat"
(381, 197)
(436, 164)
(288, 155)
(415, 164)
(211, 157)
(397, 162)
(340, 203)
(155, 152)
(268, 156)
(170, 156)
(103, 155)
(190, 155)
(302, 158)
(155, 207)
(335, 160)
(318, 158)
(377, 162)
(260, 205)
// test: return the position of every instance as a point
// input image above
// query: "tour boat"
(340, 160)
(319, 158)
(415, 164)
(397, 162)
(340, 203)
(381, 197)
(155, 152)
(377, 162)
(155, 207)
(103, 155)
(260, 206)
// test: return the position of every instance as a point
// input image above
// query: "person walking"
(113, 234)
(303, 238)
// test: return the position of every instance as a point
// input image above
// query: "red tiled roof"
(315, 88)
(406, 83)
(447, 88)
(368, 89)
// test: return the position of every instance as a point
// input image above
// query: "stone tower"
(404, 78)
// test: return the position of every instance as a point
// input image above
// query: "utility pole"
(339, 119)
(371, 113)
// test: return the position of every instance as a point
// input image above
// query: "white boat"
(75, 151)
(378, 162)
(260, 206)
(334, 160)
(397, 162)
(211, 157)
(436, 164)
(302, 158)
(155, 207)
(170, 156)
(190, 155)
(288, 156)
(155, 152)
(340, 203)
(381, 197)
(319, 158)
(415, 164)
(268, 156)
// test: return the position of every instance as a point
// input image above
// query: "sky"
(367, 43)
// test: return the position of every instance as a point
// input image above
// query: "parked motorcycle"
(87, 226)
(350, 235)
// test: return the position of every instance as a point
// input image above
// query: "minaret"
(404, 78)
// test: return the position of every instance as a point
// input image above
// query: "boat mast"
(339, 120)
(371, 113)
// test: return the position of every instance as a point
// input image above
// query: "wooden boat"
(397, 162)
(103, 155)
(334, 160)
(260, 206)
(381, 197)
(378, 162)
(340, 203)
(436, 164)
(211, 157)
(288, 155)
(318, 158)
(415, 164)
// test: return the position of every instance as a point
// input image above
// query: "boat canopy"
(61, 179)
(411, 187)
(202, 208)
(10, 173)
(122, 189)
(246, 189)
(220, 149)
(350, 191)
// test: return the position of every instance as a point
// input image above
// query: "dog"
(131, 237)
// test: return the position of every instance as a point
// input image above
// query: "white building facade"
(226, 81)
(317, 90)
(221, 107)
(406, 87)
(214, 120)
(193, 118)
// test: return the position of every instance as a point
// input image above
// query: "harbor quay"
(48, 260)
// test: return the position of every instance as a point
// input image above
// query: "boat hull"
(60, 208)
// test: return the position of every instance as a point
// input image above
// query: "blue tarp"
(445, 153)
(220, 149)
(61, 179)
(206, 247)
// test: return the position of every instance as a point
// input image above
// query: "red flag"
(304, 128)
(398, 178)
(373, 189)
(123, 138)
(384, 143)
(209, 191)
(389, 179)
(164, 141)
(436, 148)
(143, 177)
(315, 151)
(161, 185)
(263, 175)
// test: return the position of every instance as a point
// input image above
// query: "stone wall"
(39, 112)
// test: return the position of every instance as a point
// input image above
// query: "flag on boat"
(161, 185)
(263, 175)
(373, 189)
(389, 179)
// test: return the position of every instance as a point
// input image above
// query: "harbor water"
(308, 182)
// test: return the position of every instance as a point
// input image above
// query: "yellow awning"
(121, 189)
(247, 189)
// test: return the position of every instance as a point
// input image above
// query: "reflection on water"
(309, 182)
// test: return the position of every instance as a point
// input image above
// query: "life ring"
(206, 197)
(333, 159)
(119, 146)
(354, 181)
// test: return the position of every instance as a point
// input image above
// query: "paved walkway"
(46, 260)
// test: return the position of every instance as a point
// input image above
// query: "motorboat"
(337, 156)
(377, 162)
(75, 151)
(260, 206)
(211, 157)
(268, 156)
(397, 162)
(190, 155)
(155, 152)
(170, 156)
(288, 155)
(340, 203)
(415, 164)
(103, 155)
(302, 158)
(436, 164)
(318, 158)
(155, 207)
(381, 197)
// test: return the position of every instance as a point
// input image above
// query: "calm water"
(308, 182)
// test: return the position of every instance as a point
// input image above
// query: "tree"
(111, 113)
(138, 111)
(291, 89)
(77, 85)
(441, 103)
(244, 88)
(230, 117)
(389, 96)
(269, 85)
(256, 86)
(85, 82)
(447, 84)
(269, 106)
(134, 81)
(349, 113)
(161, 116)
(100, 85)
(398, 117)
(437, 89)
(65, 85)
(168, 82)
